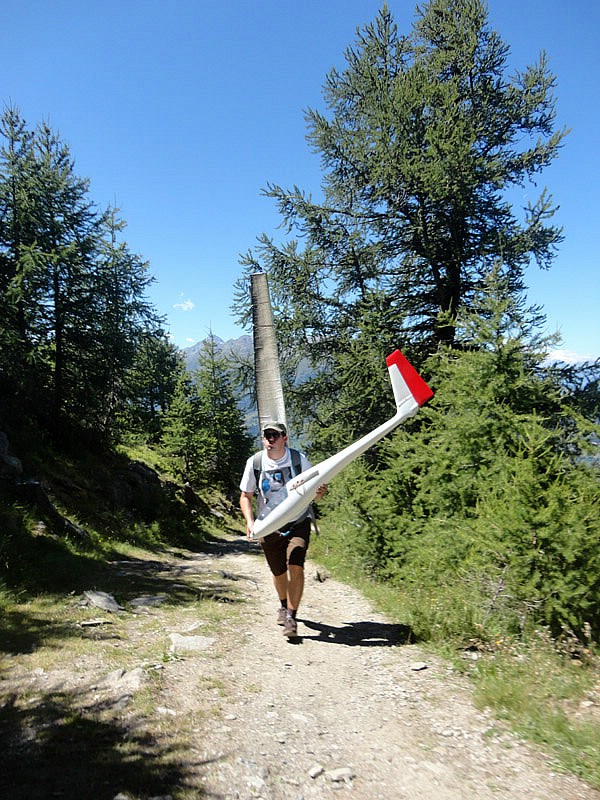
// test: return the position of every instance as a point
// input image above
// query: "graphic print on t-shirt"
(273, 488)
(274, 480)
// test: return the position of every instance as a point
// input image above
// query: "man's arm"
(321, 490)
(247, 511)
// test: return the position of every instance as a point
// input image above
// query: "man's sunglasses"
(272, 434)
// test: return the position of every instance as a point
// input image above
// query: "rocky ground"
(348, 709)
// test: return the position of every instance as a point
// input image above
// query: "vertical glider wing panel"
(269, 391)
(406, 381)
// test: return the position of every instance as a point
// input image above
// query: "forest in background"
(483, 511)
(84, 355)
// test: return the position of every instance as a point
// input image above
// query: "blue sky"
(180, 112)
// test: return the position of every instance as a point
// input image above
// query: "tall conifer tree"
(422, 137)
(18, 356)
(204, 428)
(81, 344)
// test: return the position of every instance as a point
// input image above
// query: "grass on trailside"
(547, 691)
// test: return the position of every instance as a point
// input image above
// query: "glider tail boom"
(410, 392)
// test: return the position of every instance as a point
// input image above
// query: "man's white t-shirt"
(274, 474)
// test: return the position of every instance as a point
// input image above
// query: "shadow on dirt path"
(364, 633)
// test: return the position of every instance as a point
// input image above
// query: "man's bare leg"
(281, 585)
(295, 586)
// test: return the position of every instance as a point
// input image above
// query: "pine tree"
(20, 368)
(82, 347)
(150, 386)
(119, 331)
(204, 427)
(67, 226)
(180, 425)
(485, 513)
(224, 443)
(423, 138)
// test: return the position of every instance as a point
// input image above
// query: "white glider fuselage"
(410, 392)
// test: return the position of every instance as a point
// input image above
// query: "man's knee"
(296, 555)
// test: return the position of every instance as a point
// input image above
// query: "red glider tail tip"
(414, 383)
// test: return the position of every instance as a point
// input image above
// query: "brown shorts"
(281, 551)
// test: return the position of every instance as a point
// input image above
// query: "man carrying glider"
(265, 475)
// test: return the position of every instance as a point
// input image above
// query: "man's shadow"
(363, 634)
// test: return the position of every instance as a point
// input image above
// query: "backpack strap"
(257, 466)
(296, 462)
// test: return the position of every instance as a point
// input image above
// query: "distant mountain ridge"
(241, 347)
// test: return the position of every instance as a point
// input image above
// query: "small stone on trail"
(86, 623)
(195, 625)
(255, 783)
(148, 600)
(167, 711)
(120, 679)
(315, 771)
(179, 642)
(101, 600)
(340, 775)
(228, 575)
(417, 666)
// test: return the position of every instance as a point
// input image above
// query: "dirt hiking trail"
(348, 709)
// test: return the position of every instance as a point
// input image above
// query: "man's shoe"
(290, 627)
(281, 616)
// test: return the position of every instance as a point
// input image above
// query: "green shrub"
(483, 516)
